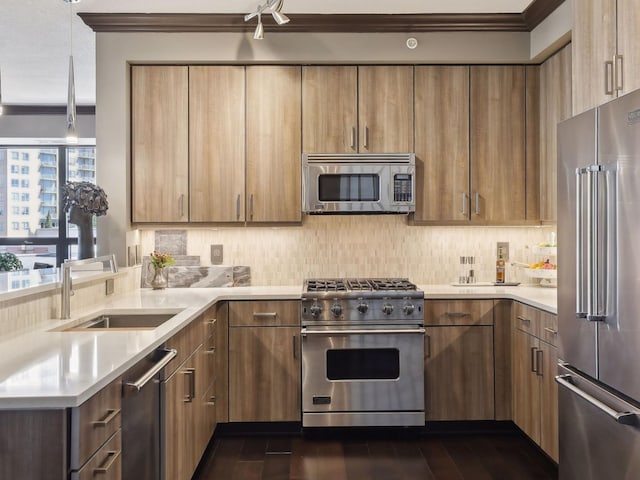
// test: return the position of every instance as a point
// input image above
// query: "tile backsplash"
(362, 245)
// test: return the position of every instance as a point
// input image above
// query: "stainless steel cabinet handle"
(169, 354)
(111, 458)
(539, 359)
(550, 330)
(353, 138)
(457, 314)
(618, 72)
(190, 375)
(608, 77)
(212, 400)
(251, 206)
(210, 351)
(533, 360)
(366, 137)
(477, 206)
(111, 414)
(626, 418)
(181, 205)
(304, 332)
(465, 203)
(238, 207)
(523, 319)
(265, 314)
(212, 323)
(295, 346)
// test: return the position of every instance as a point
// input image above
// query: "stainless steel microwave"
(358, 183)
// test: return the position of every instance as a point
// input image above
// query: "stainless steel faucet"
(66, 291)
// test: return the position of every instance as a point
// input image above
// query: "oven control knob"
(387, 309)
(363, 307)
(336, 309)
(408, 308)
(315, 309)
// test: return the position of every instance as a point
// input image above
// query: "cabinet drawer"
(527, 319)
(106, 464)
(549, 328)
(95, 421)
(264, 314)
(185, 342)
(458, 312)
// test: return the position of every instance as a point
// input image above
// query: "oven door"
(363, 376)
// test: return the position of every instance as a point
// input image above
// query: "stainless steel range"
(362, 353)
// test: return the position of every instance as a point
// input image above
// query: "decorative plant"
(161, 260)
(9, 262)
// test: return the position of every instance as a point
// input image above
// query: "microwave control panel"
(402, 188)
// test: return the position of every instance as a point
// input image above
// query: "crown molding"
(526, 21)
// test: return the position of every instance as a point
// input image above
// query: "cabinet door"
(593, 39)
(459, 376)
(159, 143)
(549, 401)
(555, 106)
(442, 143)
(498, 170)
(216, 143)
(628, 19)
(385, 98)
(268, 391)
(273, 144)
(526, 392)
(329, 109)
(179, 416)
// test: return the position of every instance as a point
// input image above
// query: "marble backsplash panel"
(362, 245)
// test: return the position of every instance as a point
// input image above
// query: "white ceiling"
(35, 43)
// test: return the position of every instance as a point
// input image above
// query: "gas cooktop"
(360, 285)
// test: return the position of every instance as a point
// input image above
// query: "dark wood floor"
(446, 457)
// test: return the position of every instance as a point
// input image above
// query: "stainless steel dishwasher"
(142, 416)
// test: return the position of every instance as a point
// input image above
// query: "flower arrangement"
(161, 260)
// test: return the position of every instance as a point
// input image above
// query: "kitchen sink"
(124, 321)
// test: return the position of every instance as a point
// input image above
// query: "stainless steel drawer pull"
(534, 366)
(238, 207)
(465, 203)
(212, 400)
(111, 414)
(190, 374)
(213, 322)
(295, 346)
(169, 355)
(608, 77)
(265, 314)
(523, 319)
(374, 331)
(477, 208)
(353, 138)
(626, 418)
(539, 363)
(366, 137)
(210, 351)
(111, 458)
(550, 330)
(251, 206)
(457, 314)
(618, 72)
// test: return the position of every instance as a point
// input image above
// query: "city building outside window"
(39, 229)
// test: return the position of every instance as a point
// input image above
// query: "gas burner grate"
(359, 284)
(326, 286)
(388, 284)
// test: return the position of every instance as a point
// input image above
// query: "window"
(42, 225)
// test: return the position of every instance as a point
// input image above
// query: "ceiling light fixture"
(72, 136)
(274, 7)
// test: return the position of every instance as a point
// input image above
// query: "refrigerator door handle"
(625, 418)
(581, 308)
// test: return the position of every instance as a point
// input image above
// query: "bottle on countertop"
(500, 267)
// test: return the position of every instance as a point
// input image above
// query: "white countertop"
(51, 368)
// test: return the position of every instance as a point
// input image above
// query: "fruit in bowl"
(546, 265)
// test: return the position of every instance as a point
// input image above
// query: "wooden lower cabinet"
(535, 393)
(459, 375)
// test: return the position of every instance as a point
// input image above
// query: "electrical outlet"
(505, 250)
(216, 255)
(109, 286)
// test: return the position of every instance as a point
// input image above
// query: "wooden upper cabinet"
(216, 143)
(498, 172)
(274, 148)
(160, 145)
(385, 99)
(329, 109)
(442, 143)
(606, 60)
(555, 106)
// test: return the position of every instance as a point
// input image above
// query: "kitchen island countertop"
(48, 367)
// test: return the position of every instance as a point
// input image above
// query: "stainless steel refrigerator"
(599, 292)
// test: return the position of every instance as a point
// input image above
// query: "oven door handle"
(304, 332)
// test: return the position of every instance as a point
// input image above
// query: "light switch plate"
(505, 250)
(216, 255)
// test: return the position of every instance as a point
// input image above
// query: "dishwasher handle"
(169, 354)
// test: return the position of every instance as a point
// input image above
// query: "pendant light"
(71, 136)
